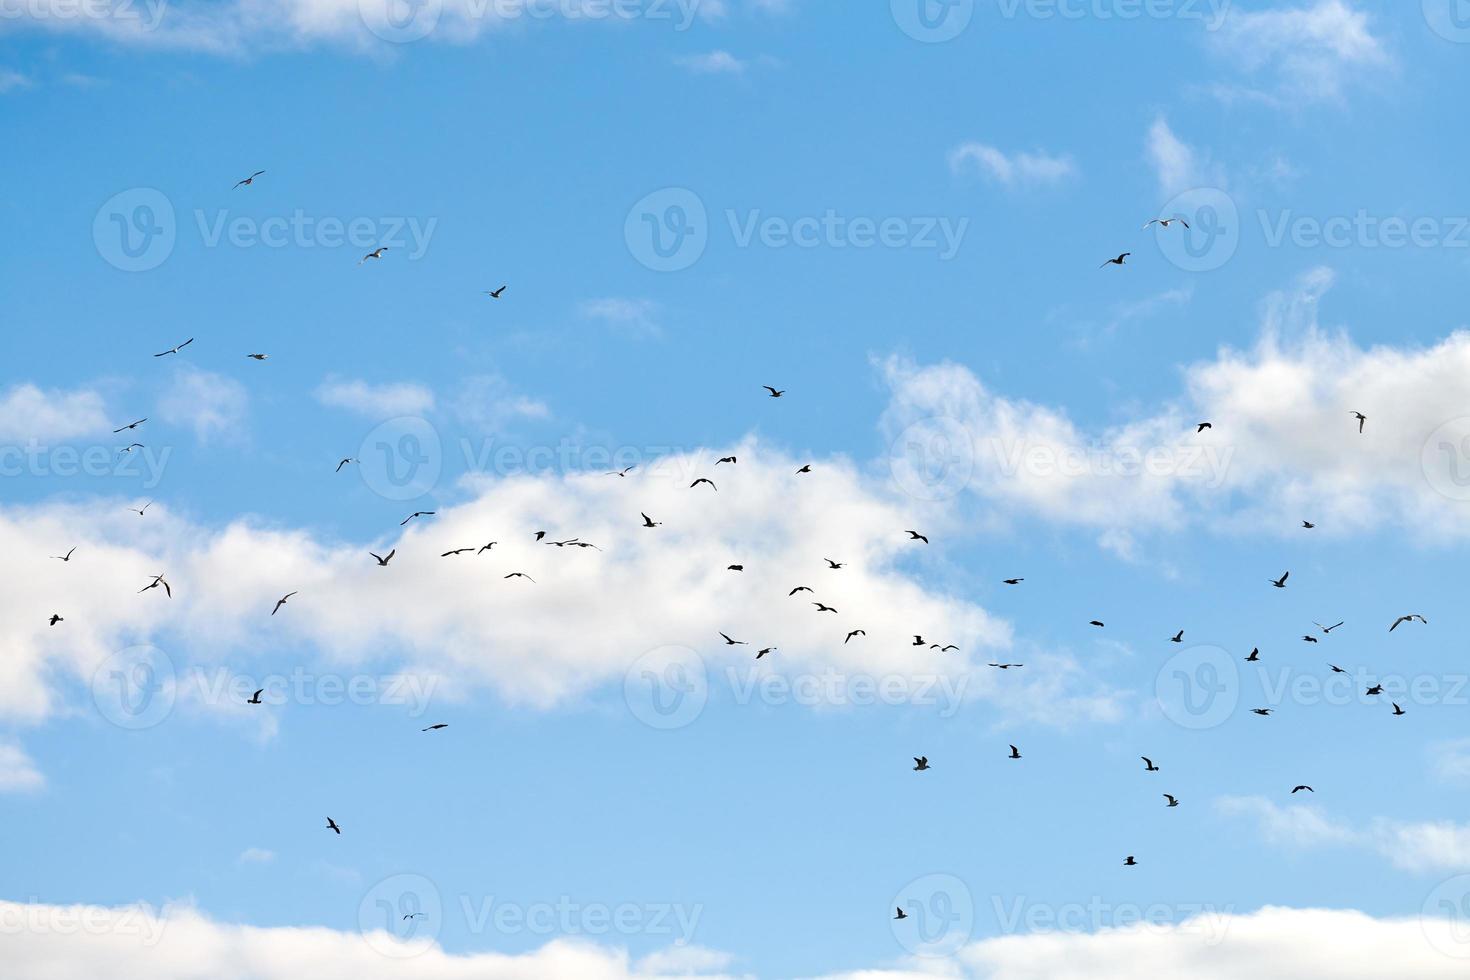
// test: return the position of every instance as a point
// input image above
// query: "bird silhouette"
(383, 562)
(1398, 711)
(416, 514)
(1120, 260)
(175, 350)
(853, 634)
(1148, 764)
(376, 253)
(1172, 801)
(921, 763)
(1015, 752)
(1177, 637)
(734, 643)
(1362, 420)
(56, 618)
(1254, 657)
(1280, 583)
(332, 826)
(1302, 789)
(130, 426)
(704, 480)
(255, 698)
(916, 536)
(344, 463)
(248, 180)
(281, 602)
(65, 557)
(650, 522)
(495, 293)
(435, 728)
(773, 391)
(1407, 619)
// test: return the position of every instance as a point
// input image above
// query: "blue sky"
(900, 226)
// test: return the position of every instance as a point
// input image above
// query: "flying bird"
(1309, 525)
(344, 463)
(248, 180)
(495, 293)
(735, 568)
(823, 609)
(1130, 862)
(1148, 764)
(921, 763)
(65, 557)
(1373, 691)
(175, 350)
(728, 459)
(1398, 711)
(56, 619)
(487, 547)
(383, 562)
(773, 391)
(854, 633)
(520, 575)
(1172, 801)
(1362, 420)
(1006, 666)
(332, 825)
(1120, 260)
(1014, 581)
(900, 914)
(1302, 789)
(1254, 657)
(650, 522)
(157, 581)
(1407, 619)
(1177, 637)
(1015, 752)
(761, 653)
(1165, 222)
(916, 536)
(1309, 639)
(281, 602)
(1098, 623)
(455, 552)
(834, 565)
(805, 469)
(434, 728)
(704, 480)
(130, 425)
(799, 588)
(144, 509)
(1336, 669)
(1202, 427)
(420, 513)
(255, 698)
(1263, 712)
(258, 357)
(1326, 630)
(734, 643)
(624, 471)
(376, 253)
(1280, 583)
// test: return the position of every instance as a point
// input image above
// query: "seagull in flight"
(1309, 639)
(921, 763)
(1362, 420)
(175, 350)
(248, 180)
(332, 825)
(343, 463)
(1202, 427)
(728, 459)
(1172, 801)
(1014, 581)
(258, 357)
(130, 425)
(1006, 666)
(435, 728)
(255, 698)
(1280, 583)
(1326, 630)
(130, 448)
(734, 643)
(799, 588)
(762, 653)
(56, 618)
(821, 608)
(834, 565)
(773, 391)
(650, 522)
(704, 480)
(65, 557)
(1373, 691)
(1177, 637)
(1407, 619)
(1120, 260)
(520, 575)
(854, 633)
(495, 293)
(1397, 711)
(1148, 764)
(1255, 656)
(1130, 862)
(141, 512)
(421, 513)
(624, 471)
(805, 469)
(383, 562)
(1263, 712)
(157, 581)
(281, 602)
(900, 914)
(1336, 669)
(1308, 525)
(456, 551)
(1302, 789)
(916, 536)
(1166, 222)
(488, 547)
(376, 253)
(1015, 752)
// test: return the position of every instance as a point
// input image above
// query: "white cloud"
(372, 401)
(1179, 166)
(1308, 52)
(713, 63)
(1451, 760)
(28, 413)
(11, 80)
(488, 401)
(211, 404)
(256, 855)
(180, 943)
(18, 774)
(635, 316)
(1011, 170)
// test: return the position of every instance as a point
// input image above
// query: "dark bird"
(805, 469)
(1336, 669)
(1098, 623)
(281, 602)
(144, 509)
(421, 513)
(650, 522)
(727, 459)
(376, 253)
(1280, 583)
(918, 640)
(1302, 789)
(1015, 752)
(1165, 222)
(1130, 862)
(255, 698)
(1120, 260)
(1407, 619)
(1202, 427)
(921, 763)
(1373, 691)
(1263, 712)
(383, 562)
(157, 581)
(540, 535)
(773, 391)
(130, 425)
(799, 588)
(1254, 657)
(1014, 581)
(734, 643)
(900, 914)
(128, 449)
(916, 536)
(412, 915)
(1309, 639)
(624, 471)
(1148, 764)
(704, 480)
(332, 825)
(1362, 420)
(248, 180)
(65, 557)
(821, 608)
(761, 653)
(1398, 711)
(1177, 637)
(344, 463)
(854, 633)
(1326, 630)
(456, 551)
(175, 350)
(943, 649)
(1308, 525)
(258, 357)
(1006, 666)
(434, 728)
(487, 547)
(735, 568)
(520, 575)
(495, 293)
(834, 565)
(1172, 801)
(56, 619)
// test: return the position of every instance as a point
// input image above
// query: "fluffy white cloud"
(1011, 170)
(1284, 442)
(1310, 52)
(18, 774)
(376, 401)
(138, 943)
(28, 413)
(1179, 166)
(633, 316)
(210, 404)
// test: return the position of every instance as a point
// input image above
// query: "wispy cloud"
(1301, 54)
(1011, 170)
(713, 63)
(633, 316)
(378, 401)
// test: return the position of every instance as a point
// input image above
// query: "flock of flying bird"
(921, 763)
